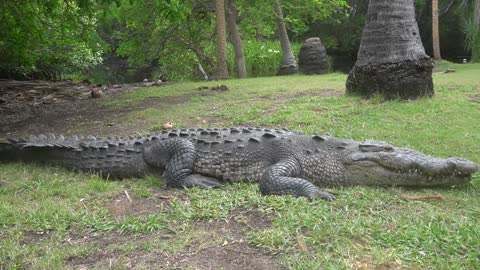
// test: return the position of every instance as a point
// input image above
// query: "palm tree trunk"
(391, 60)
(236, 39)
(476, 14)
(289, 64)
(221, 69)
(435, 34)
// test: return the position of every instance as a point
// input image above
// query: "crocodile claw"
(196, 180)
(324, 195)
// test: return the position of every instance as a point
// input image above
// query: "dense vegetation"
(122, 40)
(53, 219)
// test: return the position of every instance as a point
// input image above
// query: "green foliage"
(258, 19)
(472, 38)
(49, 37)
(342, 33)
(174, 47)
(170, 38)
(299, 14)
(262, 57)
(164, 37)
(148, 26)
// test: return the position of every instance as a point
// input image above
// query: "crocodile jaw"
(378, 163)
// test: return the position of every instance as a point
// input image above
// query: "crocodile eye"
(373, 146)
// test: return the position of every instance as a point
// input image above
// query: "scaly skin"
(281, 161)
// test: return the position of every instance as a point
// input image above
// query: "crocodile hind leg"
(176, 157)
(280, 180)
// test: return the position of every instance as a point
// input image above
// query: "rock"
(27, 98)
(96, 93)
(167, 125)
(312, 58)
(220, 87)
(85, 94)
(148, 84)
(49, 97)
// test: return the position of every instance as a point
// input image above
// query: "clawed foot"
(197, 180)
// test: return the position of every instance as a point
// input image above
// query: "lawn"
(54, 219)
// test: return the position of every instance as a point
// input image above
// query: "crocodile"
(281, 161)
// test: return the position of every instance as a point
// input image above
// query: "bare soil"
(475, 98)
(225, 248)
(324, 92)
(33, 107)
(122, 205)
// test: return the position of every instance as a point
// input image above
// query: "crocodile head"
(380, 163)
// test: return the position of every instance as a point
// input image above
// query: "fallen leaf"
(301, 243)
(166, 197)
(168, 125)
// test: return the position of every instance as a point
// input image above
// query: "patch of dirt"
(44, 106)
(224, 247)
(475, 98)
(325, 92)
(123, 205)
(107, 248)
(30, 237)
(33, 107)
(368, 264)
(252, 218)
(234, 252)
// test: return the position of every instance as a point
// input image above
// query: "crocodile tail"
(34, 148)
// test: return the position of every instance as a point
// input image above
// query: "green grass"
(42, 208)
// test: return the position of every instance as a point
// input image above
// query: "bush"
(263, 58)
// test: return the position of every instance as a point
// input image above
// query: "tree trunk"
(435, 34)
(475, 42)
(236, 39)
(391, 60)
(476, 14)
(221, 69)
(289, 64)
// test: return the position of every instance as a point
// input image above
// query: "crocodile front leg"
(176, 157)
(280, 180)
